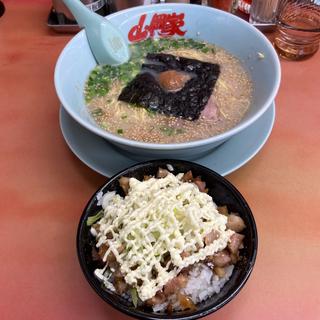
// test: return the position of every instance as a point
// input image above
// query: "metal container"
(98, 6)
(117, 5)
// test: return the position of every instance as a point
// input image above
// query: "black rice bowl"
(227, 284)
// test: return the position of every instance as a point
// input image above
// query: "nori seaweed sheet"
(145, 91)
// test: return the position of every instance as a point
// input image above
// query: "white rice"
(170, 167)
(160, 307)
(99, 197)
(201, 285)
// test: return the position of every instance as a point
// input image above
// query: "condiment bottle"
(244, 6)
(225, 5)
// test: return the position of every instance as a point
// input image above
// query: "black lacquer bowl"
(222, 192)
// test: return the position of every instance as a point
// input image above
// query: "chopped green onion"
(134, 296)
(151, 113)
(120, 131)
(92, 219)
(97, 112)
(167, 131)
(205, 50)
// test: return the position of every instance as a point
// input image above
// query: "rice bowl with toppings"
(161, 244)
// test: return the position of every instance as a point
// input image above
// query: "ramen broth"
(229, 101)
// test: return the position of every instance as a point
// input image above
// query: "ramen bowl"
(201, 23)
(222, 193)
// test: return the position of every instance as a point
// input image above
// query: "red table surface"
(44, 189)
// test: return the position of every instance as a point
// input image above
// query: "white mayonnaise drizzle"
(158, 219)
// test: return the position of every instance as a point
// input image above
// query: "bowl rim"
(104, 295)
(165, 146)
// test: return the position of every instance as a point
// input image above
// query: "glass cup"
(298, 29)
(263, 11)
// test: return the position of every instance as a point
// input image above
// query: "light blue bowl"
(228, 31)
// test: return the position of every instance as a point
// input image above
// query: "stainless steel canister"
(97, 6)
(117, 5)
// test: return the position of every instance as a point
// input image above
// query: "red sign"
(163, 25)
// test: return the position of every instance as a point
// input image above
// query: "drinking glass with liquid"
(298, 29)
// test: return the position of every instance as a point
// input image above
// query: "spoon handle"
(83, 15)
(107, 44)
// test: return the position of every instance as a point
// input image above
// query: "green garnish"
(120, 131)
(97, 112)
(151, 113)
(167, 131)
(134, 296)
(104, 126)
(101, 78)
(171, 131)
(92, 219)
(156, 234)
(124, 116)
